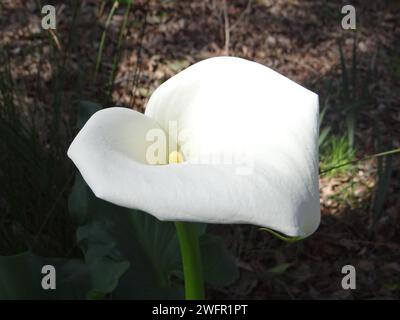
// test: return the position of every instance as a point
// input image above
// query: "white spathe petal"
(111, 136)
(233, 109)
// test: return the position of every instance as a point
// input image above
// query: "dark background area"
(44, 76)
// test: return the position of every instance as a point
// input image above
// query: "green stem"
(192, 265)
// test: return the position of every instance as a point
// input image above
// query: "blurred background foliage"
(115, 53)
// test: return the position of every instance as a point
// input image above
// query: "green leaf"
(201, 228)
(105, 274)
(153, 248)
(149, 245)
(86, 110)
(219, 266)
(77, 200)
(20, 277)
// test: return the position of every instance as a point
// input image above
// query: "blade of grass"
(136, 73)
(103, 38)
(323, 112)
(354, 67)
(384, 172)
(345, 79)
(323, 133)
(350, 123)
(7, 87)
(376, 155)
(117, 56)
(323, 136)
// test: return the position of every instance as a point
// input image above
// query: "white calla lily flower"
(250, 151)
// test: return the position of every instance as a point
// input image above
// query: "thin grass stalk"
(376, 155)
(117, 57)
(103, 38)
